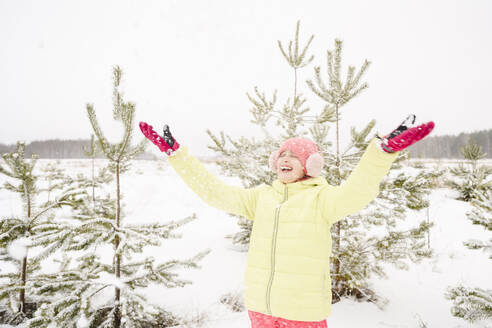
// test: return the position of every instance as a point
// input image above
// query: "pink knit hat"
(307, 153)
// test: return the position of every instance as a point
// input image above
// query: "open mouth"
(285, 168)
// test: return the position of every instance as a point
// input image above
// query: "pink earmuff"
(314, 165)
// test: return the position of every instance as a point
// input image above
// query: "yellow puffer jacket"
(287, 273)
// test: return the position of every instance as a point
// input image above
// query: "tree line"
(447, 146)
(57, 148)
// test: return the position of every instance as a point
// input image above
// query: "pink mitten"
(405, 135)
(167, 144)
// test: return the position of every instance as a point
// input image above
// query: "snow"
(83, 322)
(106, 279)
(18, 248)
(153, 192)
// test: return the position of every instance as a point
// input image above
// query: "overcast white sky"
(190, 63)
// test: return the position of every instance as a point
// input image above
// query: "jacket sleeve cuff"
(379, 153)
(174, 153)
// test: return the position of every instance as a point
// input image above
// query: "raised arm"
(213, 191)
(362, 186)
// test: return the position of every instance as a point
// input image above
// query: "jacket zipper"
(274, 243)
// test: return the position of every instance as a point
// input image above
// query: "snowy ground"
(154, 192)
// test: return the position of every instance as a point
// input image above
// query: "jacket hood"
(295, 187)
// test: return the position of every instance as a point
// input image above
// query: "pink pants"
(260, 320)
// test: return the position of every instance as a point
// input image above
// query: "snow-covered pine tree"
(359, 254)
(473, 179)
(52, 289)
(80, 291)
(19, 234)
(475, 186)
(473, 303)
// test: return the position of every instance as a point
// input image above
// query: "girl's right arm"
(213, 191)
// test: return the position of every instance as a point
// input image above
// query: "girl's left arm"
(232, 199)
(361, 187)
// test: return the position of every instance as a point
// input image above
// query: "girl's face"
(289, 168)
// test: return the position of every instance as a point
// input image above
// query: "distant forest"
(56, 148)
(445, 147)
(448, 146)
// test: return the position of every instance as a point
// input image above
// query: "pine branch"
(103, 142)
(336, 69)
(262, 110)
(11, 229)
(162, 273)
(91, 152)
(66, 199)
(137, 150)
(160, 230)
(117, 97)
(127, 117)
(295, 59)
(219, 143)
(335, 94)
(471, 304)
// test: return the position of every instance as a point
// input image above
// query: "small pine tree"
(473, 180)
(78, 292)
(473, 304)
(357, 255)
(20, 233)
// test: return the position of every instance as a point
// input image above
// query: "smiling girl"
(287, 278)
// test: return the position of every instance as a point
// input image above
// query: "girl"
(287, 279)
